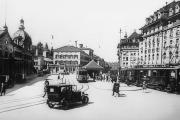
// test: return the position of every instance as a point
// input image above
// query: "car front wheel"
(85, 100)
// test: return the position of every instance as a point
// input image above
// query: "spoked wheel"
(50, 104)
(65, 105)
(85, 100)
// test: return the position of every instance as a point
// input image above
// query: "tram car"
(64, 95)
(82, 76)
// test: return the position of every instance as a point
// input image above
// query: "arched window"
(171, 11)
(159, 15)
(176, 8)
(170, 54)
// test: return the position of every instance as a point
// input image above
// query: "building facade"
(69, 59)
(128, 52)
(159, 50)
(42, 62)
(16, 60)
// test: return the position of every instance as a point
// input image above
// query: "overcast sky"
(95, 23)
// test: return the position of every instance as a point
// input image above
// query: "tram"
(82, 75)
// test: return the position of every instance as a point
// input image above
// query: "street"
(27, 103)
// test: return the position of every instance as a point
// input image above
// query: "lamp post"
(119, 53)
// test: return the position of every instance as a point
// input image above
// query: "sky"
(93, 23)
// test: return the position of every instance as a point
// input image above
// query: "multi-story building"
(159, 50)
(69, 58)
(128, 51)
(16, 60)
(42, 62)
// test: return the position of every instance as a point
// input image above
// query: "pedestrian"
(144, 85)
(3, 88)
(46, 84)
(116, 86)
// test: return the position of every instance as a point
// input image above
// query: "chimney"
(80, 45)
(76, 43)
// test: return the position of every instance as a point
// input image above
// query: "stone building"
(159, 50)
(128, 52)
(69, 59)
(16, 60)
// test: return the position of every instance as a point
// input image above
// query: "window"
(171, 11)
(171, 41)
(159, 15)
(126, 58)
(171, 33)
(176, 8)
(153, 57)
(177, 40)
(177, 32)
(157, 56)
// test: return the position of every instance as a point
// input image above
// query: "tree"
(46, 46)
(40, 48)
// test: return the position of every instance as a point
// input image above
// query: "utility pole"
(119, 53)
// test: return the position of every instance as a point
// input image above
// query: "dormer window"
(159, 15)
(170, 11)
(176, 8)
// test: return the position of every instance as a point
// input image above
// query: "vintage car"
(64, 95)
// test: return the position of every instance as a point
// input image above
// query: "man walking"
(3, 89)
(116, 88)
(46, 84)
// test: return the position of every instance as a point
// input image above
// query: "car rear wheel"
(85, 100)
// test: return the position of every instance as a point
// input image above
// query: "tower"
(21, 27)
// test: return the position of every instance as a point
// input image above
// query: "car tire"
(50, 105)
(85, 100)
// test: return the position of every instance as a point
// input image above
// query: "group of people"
(2, 88)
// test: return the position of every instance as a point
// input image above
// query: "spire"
(5, 27)
(21, 27)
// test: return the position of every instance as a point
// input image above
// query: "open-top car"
(64, 95)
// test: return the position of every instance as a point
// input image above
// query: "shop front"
(160, 78)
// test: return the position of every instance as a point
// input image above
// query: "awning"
(153, 68)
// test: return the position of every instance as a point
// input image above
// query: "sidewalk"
(29, 81)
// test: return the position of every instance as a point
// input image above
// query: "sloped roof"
(92, 65)
(68, 49)
(134, 35)
(1, 31)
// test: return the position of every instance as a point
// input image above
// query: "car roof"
(61, 85)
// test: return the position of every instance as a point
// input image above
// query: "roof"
(68, 49)
(92, 65)
(1, 31)
(134, 35)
